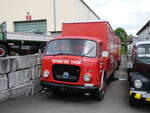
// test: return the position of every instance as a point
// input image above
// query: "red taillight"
(101, 66)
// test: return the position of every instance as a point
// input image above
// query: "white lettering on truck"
(60, 61)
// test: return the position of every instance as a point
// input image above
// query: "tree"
(130, 37)
(121, 33)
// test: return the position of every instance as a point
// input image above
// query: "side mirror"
(105, 53)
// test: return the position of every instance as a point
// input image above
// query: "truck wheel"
(133, 102)
(56, 92)
(99, 94)
(116, 68)
(112, 77)
(118, 64)
(3, 50)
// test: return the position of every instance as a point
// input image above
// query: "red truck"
(82, 59)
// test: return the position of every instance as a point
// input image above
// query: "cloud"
(129, 14)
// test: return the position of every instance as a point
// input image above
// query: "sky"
(131, 15)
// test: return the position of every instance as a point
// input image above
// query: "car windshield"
(74, 47)
(143, 53)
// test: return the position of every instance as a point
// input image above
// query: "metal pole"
(54, 3)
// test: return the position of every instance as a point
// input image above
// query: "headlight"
(138, 84)
(87, 78)
(45, 73)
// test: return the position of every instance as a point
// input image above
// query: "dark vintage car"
(139, 78)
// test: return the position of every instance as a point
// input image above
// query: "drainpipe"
(54, 6)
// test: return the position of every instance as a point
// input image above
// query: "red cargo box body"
(87, 71)
(118, 50)
(102, 31)
(99, 30)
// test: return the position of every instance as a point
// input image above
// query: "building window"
(34, 26)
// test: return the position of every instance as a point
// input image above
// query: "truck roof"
(87, 28)
(88, 21)
(85, 21)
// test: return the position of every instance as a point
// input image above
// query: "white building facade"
(43, 16)
(144, 33)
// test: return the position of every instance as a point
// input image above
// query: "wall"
(19, 76)
(144, 33)
(15, 10)
(72, 10)
(66, 10)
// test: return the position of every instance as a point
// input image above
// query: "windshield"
(143, 53)
(74, 47)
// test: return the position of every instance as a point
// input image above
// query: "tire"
(133, 102)
(112, 76)
(128, 73)
(56, 92)
(98, 95)
(3, 50)
(118, 64)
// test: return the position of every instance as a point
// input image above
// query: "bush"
(123, 50)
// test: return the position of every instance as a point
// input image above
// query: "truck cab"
(139, 84)
(74, 63)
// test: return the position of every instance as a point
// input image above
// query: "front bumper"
(140, 95)
(66, 87)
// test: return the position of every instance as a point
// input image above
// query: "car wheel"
(133, 102)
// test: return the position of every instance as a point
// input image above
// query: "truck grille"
(66, 73)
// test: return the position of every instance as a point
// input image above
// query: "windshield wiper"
(61, 54)
(88, 52)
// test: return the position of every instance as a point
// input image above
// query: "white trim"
(90, 9)
(123, 79)
(102, 79)
(142, 42)
(85, 21)
(27, 37)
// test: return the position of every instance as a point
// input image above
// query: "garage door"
(37, 27)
